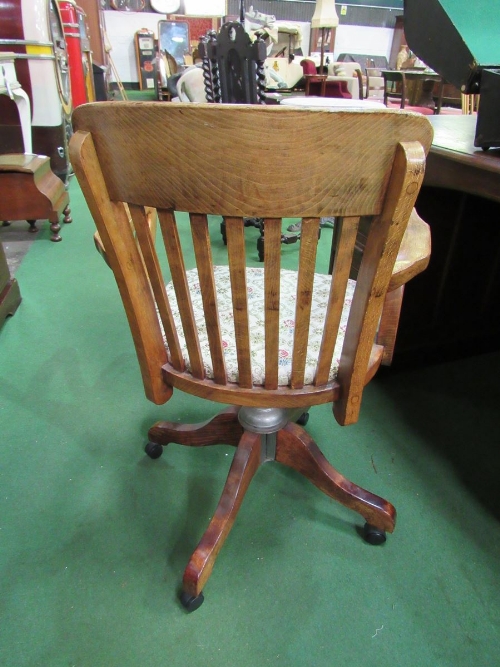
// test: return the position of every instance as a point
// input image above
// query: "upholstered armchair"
(352, 72)
(318, 84)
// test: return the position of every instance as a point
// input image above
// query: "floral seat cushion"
(255, 290)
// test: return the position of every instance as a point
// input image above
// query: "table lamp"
(324, 17)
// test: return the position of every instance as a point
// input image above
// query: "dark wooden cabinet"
(451, 310)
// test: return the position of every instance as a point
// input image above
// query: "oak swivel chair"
(266, 341)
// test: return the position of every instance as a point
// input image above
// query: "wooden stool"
(29, 190)
(10, 296)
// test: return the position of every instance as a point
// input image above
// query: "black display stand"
(146, 58)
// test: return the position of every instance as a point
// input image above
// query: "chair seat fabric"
(255, 291)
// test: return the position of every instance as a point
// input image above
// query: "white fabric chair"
(350, 70)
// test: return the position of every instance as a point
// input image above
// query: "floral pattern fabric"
(255, 292)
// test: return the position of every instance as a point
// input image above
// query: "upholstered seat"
(256, 297)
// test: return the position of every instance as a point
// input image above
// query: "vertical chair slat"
(345, 240)
(146, 240)
(307, 260)
(201, 243)
(236, 258)
(272, 258)
(179, 279)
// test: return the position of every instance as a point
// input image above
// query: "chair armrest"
(414, 252)
(413, 257)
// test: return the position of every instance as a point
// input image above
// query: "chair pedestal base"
(294, 448)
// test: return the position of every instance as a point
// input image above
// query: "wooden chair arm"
(414, 252)
(413, 257)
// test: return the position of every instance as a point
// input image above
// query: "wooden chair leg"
(223, 429)
(245, 463)
(294, 448)
(297, 450)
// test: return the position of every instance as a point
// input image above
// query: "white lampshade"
(325, 15)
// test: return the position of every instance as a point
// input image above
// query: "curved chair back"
(308, 66)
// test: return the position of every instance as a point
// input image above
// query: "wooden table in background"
(420, 92)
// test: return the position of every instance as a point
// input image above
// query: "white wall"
(121, 28)
(363, 39)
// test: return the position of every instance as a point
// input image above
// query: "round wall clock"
(165, 6)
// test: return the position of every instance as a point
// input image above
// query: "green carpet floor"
(94, 536)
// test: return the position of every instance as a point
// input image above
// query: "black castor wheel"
(374, 535)
(153, 450)
(191, 603)
(303, 419)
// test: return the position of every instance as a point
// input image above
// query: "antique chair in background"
(269, 342)
(318, 84)
(349, 70)
(374, 83)
(394, 88)
(233, 71)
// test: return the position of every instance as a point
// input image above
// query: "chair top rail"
(223, 159)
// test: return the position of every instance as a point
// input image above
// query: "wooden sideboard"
(452, 309)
